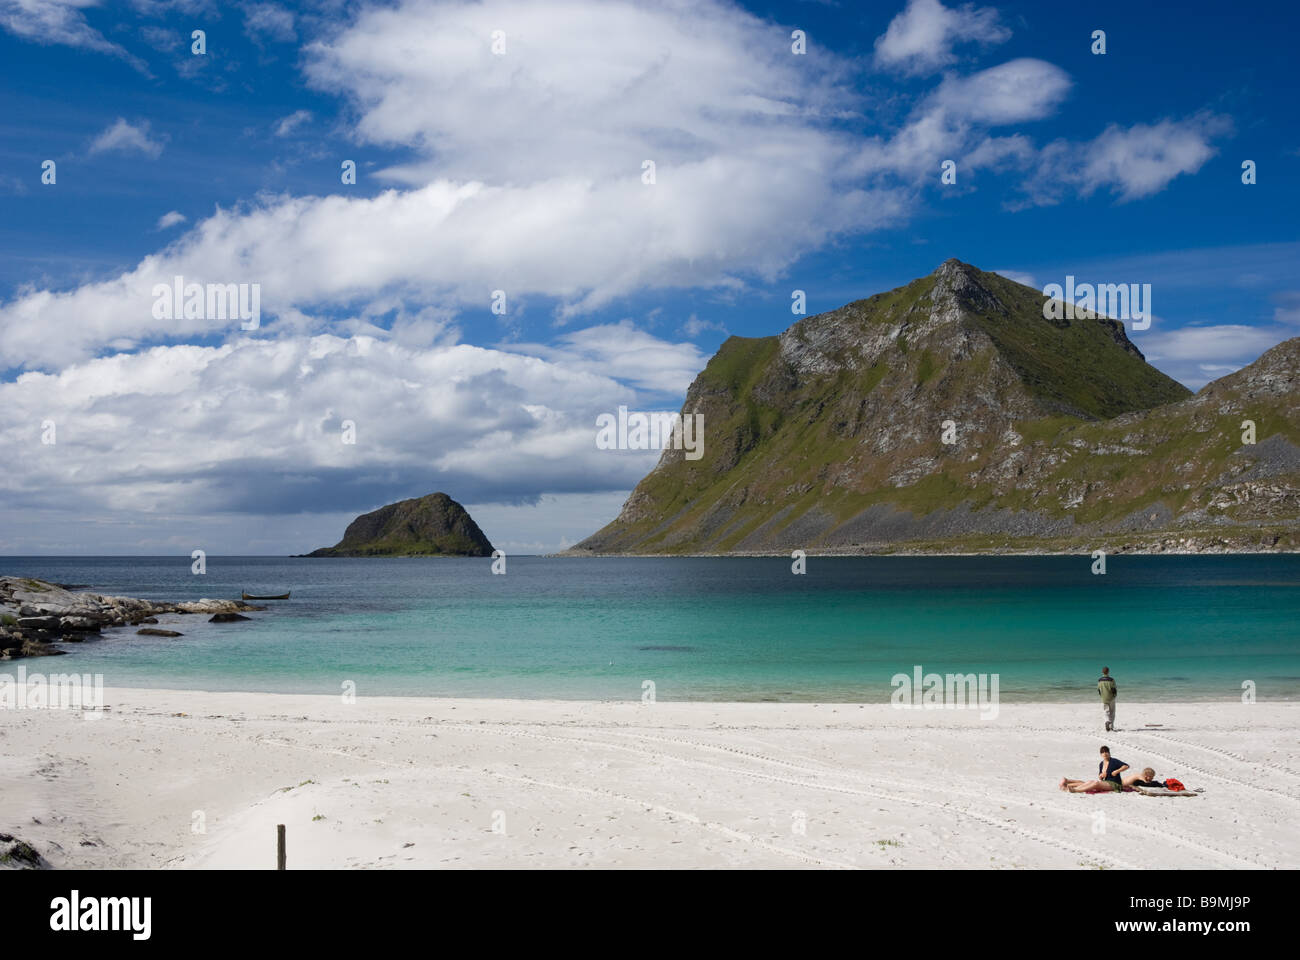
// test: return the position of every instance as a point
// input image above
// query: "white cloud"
(921, 38)
(269, 21)
(256, 426)
(623, 351)
(537, 185)
(123, 137)
(293, 121)
(1130, 162)
(1195, 355)
(1013, 92)
(170, 219)
(60, 22)
(954, 120)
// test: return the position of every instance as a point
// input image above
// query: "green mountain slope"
(830, 437)
(435, 525)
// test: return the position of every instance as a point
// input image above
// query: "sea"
(1207, 628)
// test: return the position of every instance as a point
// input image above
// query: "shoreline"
(444, 783)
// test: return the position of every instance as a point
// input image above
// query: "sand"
(182, 779)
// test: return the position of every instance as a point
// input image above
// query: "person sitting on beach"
(1108, 777)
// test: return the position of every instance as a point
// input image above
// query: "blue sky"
(521, 170)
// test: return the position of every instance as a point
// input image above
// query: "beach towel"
(1164, 792)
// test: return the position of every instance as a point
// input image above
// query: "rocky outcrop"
(37, 615)
(432, 526)
(950, 415)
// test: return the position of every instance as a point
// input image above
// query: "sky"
(559, 209)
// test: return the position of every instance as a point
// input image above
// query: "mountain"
(435, 525)
(829, 437)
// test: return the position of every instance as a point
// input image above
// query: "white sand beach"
(411, 782)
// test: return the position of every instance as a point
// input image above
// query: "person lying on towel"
(1147, 778)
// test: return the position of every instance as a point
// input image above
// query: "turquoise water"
(1169, 628)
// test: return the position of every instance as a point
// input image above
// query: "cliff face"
(832, 436)
(435, 525)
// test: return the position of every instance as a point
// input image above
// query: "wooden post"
(279, 846)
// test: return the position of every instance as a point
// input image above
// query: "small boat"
(278, 596)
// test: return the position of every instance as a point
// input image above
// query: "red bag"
(1174, 785)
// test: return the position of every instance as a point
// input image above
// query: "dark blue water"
(1169, 628)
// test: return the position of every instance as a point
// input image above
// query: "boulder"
(39, 623)
(153, 632)
(226, 618)
(37, 648)
(79, 624)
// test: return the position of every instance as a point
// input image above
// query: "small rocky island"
(37, 614)
(431, 526)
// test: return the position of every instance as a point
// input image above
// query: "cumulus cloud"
(256, 426)
(921, 38)
(170, 219)
(124, 137)
(538, 182)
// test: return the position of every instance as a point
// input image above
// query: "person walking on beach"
(1108, 691)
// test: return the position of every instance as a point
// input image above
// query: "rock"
(34, 614)
(80, 624)
(37, 648)
(214, 606)
(14, 853)
(152, 632)
(430, 526)
(226, 618)
(39, 623)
